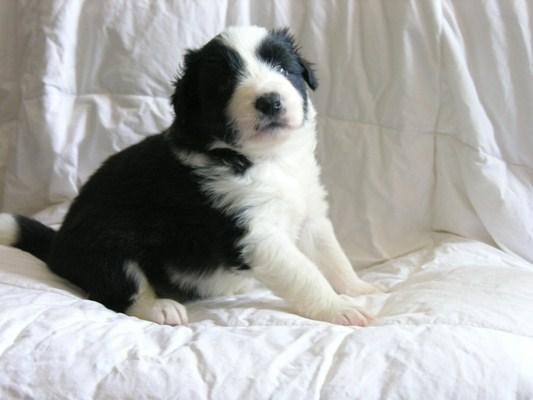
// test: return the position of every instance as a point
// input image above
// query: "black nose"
(269, 104)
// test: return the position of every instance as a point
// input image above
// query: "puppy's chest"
(280, 192)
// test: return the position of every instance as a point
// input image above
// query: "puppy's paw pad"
(161, 311)
(169, 312)
(350, 316)
(344, 313)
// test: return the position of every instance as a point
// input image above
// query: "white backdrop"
(425, 126)
(425, 106)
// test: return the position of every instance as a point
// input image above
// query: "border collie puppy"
(227, 196)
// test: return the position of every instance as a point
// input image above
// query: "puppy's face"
(245, 88)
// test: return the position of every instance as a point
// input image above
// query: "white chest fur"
(289, 192)
(277, 193)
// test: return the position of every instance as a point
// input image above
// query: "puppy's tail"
(26, 234)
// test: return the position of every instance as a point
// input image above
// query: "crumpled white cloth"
(457, 323)
(424, 107)
(424, 125)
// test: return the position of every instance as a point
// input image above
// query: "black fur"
(34, 237)
(279, 49)
(142, 205)
(146, 206)
(238, 162)
(208, 80)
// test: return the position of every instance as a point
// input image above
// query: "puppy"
(228, 195)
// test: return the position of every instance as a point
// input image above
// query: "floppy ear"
(308, 73)
(185, 97)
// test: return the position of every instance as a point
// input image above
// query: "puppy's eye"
(281, 70)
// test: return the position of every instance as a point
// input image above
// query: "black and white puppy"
(229, 194)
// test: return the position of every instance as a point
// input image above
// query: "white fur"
(192, 159)
(280, 195)
(9, 229)
(221, 283)
(319, 242)
(259, 78)
(290, 243)
(147, 306)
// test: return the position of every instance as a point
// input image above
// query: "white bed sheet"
(424, 125)
(457, 324)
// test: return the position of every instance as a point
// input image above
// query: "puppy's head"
(246, 88)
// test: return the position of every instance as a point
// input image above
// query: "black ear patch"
(284, 37)
(185, 96)
(308, 73)
(231, 158)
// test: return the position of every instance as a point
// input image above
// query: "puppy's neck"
(289, 145)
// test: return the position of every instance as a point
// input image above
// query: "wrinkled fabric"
(424, 126)
(456, 324)
(423, 106)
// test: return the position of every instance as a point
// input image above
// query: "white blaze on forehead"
(245, 40)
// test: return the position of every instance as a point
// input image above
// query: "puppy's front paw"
(160, 311)
(345, 313)
(361, 287)
(351, 316)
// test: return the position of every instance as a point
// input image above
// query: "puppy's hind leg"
(146, 305)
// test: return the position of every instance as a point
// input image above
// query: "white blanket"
(457, 325)
(424, 125)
